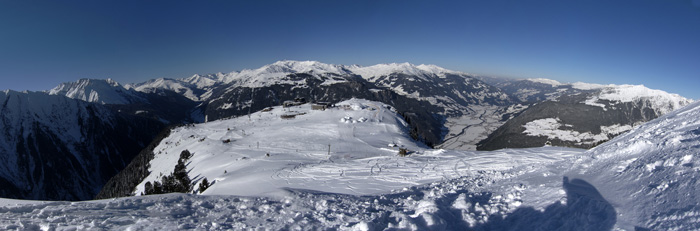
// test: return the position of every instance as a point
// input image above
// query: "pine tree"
(204, 185)
(148, 188)
(185, 155)
(157, 187)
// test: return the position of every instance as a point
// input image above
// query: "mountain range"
(95, 125)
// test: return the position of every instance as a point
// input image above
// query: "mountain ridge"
(461, 103)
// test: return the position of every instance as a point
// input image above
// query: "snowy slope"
(362, 161)
(642, 180)
(379, 189)
(651, 173)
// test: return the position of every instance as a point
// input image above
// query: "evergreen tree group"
(177, 181)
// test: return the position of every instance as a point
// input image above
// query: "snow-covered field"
(645, 178)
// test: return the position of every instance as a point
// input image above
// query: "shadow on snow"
(585, 209)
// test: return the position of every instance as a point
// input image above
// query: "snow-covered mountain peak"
(587, 86)
(290, 66)
(433, 68)
(661, 101)
(84, 82)
(273, 73)
(379, 70)
(105, 91)
(628, 93)
(287, 67)
(203, 81)
(552, 82)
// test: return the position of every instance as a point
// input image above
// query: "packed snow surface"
(644, 179)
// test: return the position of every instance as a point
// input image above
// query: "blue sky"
(655, 43)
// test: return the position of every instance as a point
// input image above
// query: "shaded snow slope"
(55, 147)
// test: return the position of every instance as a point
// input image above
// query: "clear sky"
(655, 43)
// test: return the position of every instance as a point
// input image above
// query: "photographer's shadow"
(585, 209)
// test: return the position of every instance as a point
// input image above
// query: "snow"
(22, 112)
(552, 82)
(645, 178)
(587, 86)
(656, 173)
(552, 129)
(422, 71)
(361, 162)
(661, 100)
(339, 169)
(96, 90)
(274, 73)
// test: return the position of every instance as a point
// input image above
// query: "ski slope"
(362, 138)
(643, 179)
